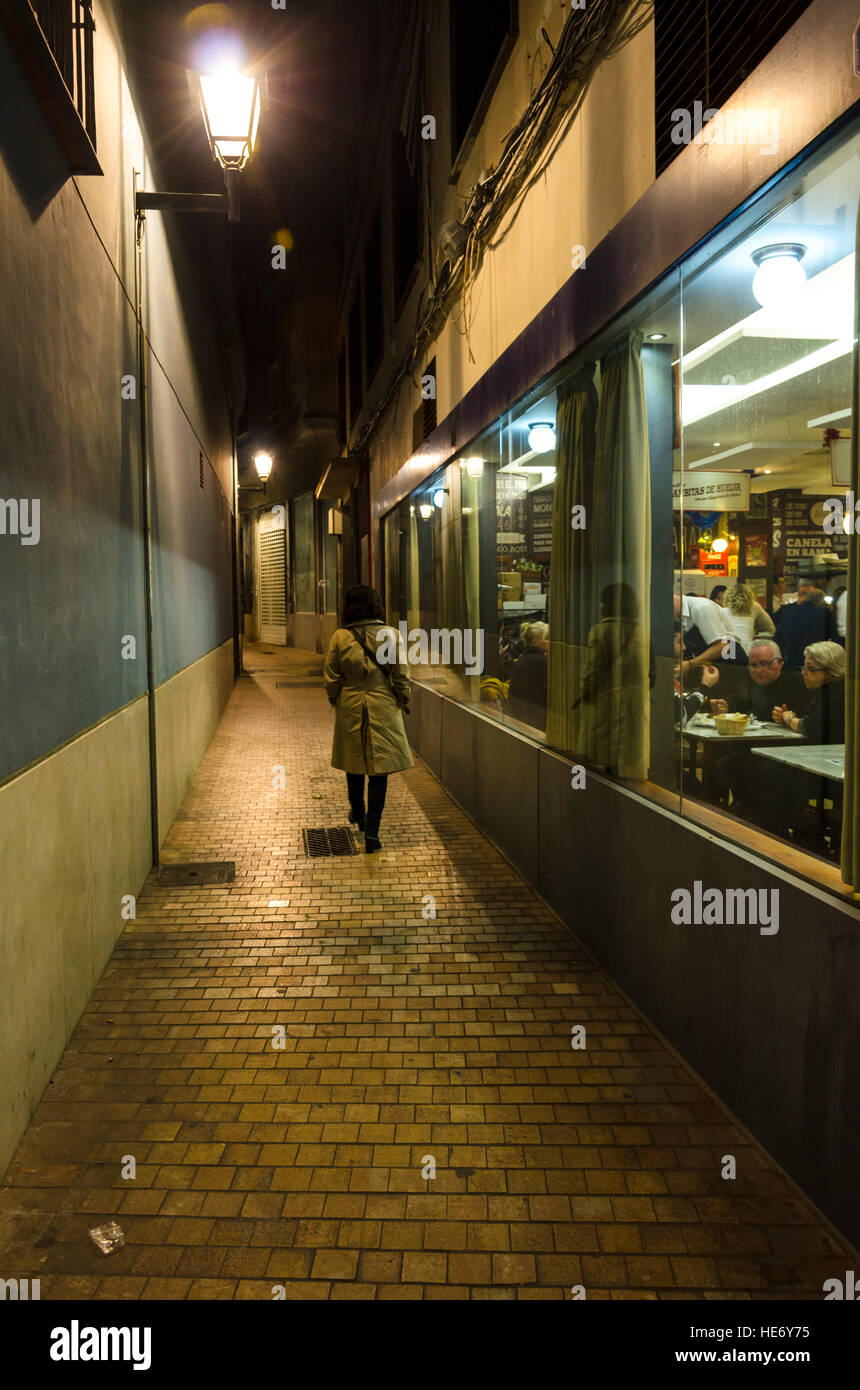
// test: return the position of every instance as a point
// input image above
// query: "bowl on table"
(730, 723)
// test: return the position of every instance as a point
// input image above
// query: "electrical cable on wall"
(588, 38)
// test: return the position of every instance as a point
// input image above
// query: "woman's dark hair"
(716, 591)
(619, 601)
(362, 604)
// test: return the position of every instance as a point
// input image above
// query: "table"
(821, 826)
(820, 759)
(706, 738)
(765, 733)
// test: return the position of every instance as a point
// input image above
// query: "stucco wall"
(187, 710)
(74, 753)
(575, 204)
(74, 839)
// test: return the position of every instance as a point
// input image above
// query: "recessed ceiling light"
(655, 337)
(716, 444)
(767, 470)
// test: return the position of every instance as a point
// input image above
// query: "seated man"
(692, 701)
(768, 683)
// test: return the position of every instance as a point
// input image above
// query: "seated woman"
(527, 693)
(824, 677)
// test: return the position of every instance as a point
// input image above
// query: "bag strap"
(386, 670)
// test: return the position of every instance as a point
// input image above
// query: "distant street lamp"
(231, 103)
(263, 465)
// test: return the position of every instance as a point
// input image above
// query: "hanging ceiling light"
(473, 466)
(779, 274)
(425, 510)
(541, 437)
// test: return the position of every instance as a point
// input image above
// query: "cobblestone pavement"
(405, 1037)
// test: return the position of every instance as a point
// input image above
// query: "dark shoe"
(371, 845)
(355, 820)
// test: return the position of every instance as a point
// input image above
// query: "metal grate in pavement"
(323, 842)
(192, 875)
(297, 685)
(314, 671)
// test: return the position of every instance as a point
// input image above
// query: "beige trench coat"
(369, 736)
(614, 707)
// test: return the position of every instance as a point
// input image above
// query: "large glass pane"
(766, 395)
(330, 554)
(303, 554)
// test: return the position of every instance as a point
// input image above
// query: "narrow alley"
(421, 1126)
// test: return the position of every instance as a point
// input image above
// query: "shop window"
(653, 544)
(304, 570)
(328, 586)
(766, 400)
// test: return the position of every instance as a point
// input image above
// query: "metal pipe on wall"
(146, 523)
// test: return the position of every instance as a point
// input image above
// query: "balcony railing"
(68, 27)
(53, 42)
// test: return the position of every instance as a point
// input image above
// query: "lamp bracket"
(180, 202)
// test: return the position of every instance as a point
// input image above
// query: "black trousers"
(376, 789)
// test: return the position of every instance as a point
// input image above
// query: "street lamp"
(231, 103)
(263, 465)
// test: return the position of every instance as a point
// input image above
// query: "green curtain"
(614, 730)
(851, 805)
(570, 611)
(470, 510)
(449, 554)
(412, 586)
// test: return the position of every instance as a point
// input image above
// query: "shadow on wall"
(28, 149)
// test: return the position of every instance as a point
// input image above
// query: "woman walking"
(367, 682)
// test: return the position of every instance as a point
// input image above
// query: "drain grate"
(314, 671)
(322, 842)
(297, 685)
(192, 875)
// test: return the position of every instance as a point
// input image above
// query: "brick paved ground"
(404, 1037)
